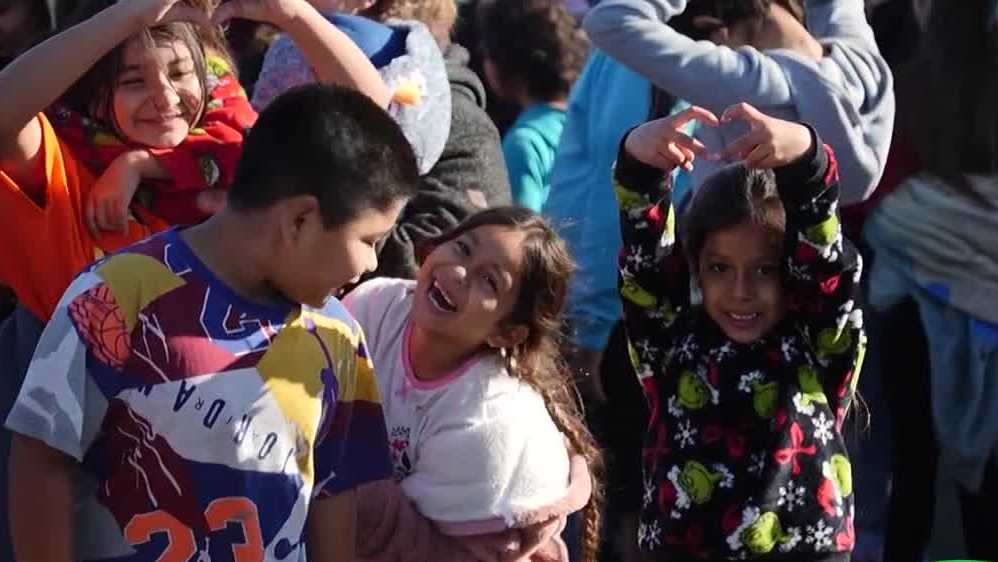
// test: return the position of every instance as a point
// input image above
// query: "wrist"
(143, 164)
(295, 18)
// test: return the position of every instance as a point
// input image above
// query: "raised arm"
(822, 267)
(636, 33)
(840, 19)
(653, 274)
(333, 57)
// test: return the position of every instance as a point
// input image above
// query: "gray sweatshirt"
(848, 95)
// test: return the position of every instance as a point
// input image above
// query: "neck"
(432, 359)
(228, 234)
(781, 30)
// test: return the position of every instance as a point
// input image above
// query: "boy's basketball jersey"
(205, 424)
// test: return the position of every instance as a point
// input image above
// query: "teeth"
(742, 316)
(444, 294)
(440, 299)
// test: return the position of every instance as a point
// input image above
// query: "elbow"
(599, 25)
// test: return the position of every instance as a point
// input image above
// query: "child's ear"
(508, 336)
(295, 213)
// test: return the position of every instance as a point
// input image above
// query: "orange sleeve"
(48, 243)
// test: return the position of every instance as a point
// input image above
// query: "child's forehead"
(162, 51)
(745, 239)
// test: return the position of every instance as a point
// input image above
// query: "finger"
(741, 111)
(185, 13)
(741, 146)
(121, 215)
(102, 215)
(694, 113)
(688, 142)
(688, 155)
(676, 157)
(226, 12)
(91, 213)
(758, 155)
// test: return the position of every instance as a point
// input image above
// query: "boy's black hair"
(534, 42)
(732, 195)
(329, 142)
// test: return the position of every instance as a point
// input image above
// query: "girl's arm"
(65, 58)
(637, 33)
(654, 278)
(333, 56)
(822, 267)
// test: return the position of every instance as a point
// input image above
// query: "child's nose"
(166, 96)
(743, 288)
(457, 273)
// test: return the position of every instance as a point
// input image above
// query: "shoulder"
(374, 300)
(383, 291)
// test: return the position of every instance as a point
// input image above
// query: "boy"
(829, 74)
(185, 402)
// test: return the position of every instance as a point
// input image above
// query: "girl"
(136, 68)
(749, 383)
(478, 407)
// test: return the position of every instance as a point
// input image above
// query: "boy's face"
(739, 274)
(316, 261)
(157, 95)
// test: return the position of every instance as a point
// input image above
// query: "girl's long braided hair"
(544, 276)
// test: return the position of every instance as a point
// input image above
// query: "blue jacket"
(606, 102)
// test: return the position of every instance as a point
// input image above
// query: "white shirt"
(474, 445)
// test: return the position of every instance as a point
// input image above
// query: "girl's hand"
(276, 12)
(662, 144)
(770, 142)
(111, 195)
(150, 13)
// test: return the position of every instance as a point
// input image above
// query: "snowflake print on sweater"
(743, 456)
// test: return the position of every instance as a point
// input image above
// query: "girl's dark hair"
(732, 195)
(546, 270)
(948, 96)
(534, 42)
(93, 93)
(730, 12)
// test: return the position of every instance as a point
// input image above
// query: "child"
(185, 386)
(749, 385)
(477, 404)
(830, 74)
(536, 72)
(408, 60)
(148, 87)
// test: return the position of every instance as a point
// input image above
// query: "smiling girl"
(477, 405)
(749, 385)
(121, 91)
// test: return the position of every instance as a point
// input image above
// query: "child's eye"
(179, 74)
(462, 247)
(717, 268)
(767, 270)
(131, 82)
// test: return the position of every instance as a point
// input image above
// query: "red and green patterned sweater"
(743, 456)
